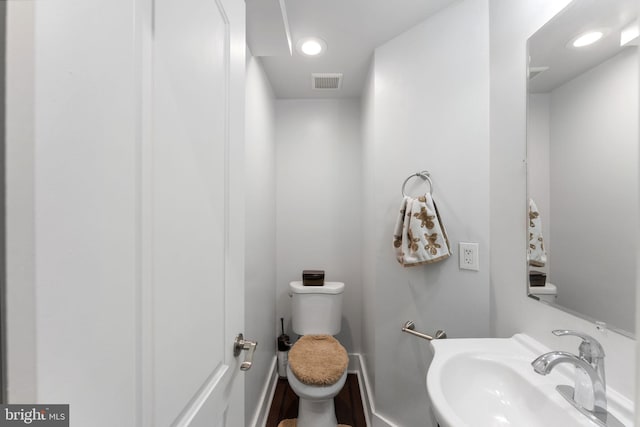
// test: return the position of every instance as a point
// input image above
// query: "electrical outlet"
(469, 256)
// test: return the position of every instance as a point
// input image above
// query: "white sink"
(490, 382)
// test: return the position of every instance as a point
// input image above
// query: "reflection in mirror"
(582, 162)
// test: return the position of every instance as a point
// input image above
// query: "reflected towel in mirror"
(536, 253)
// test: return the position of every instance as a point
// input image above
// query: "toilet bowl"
(316, 408)
(317, 368)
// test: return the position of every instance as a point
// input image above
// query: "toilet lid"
(318, 360)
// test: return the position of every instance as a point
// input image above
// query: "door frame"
(3, 225)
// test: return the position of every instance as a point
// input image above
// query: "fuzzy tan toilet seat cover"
(318, 360)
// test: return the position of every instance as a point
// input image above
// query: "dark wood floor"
(348, 404)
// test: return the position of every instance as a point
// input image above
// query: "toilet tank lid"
(548, 289)
(328, 288)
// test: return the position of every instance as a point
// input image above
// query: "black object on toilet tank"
(313, 277)
(537, 278)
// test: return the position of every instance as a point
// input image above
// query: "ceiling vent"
(326, 81)
(535, 71)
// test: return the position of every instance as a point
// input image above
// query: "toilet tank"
(316, 310)
(548, 292)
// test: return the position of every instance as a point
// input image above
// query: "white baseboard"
(266, 397)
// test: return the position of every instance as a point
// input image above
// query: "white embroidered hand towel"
(419, 236)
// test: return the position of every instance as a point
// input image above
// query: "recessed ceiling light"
(587, 38)
(311, 46)
(630, 34)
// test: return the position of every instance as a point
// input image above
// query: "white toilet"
(548, 292)
(317, 368)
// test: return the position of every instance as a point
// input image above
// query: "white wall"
(260, 232)
(511, 24)
(636, 400)
(368, 223)
(594, 171)
(429, 110)
(319, 202)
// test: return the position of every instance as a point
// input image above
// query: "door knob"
(241, 344)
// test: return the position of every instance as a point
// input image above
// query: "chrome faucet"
(598, 401)
(590, 350)
(589, 362)
(590, 397)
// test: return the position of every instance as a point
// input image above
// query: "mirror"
(582, 162)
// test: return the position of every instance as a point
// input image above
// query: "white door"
(125, 205)
(193, 214)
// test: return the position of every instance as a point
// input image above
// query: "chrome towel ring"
(424, 175)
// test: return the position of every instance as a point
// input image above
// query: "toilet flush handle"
(241, 344)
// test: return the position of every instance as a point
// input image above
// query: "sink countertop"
(490, 382)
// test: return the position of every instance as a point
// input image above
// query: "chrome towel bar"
(409, 327)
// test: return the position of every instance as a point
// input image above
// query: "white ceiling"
(351, 28)
(548, 46)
